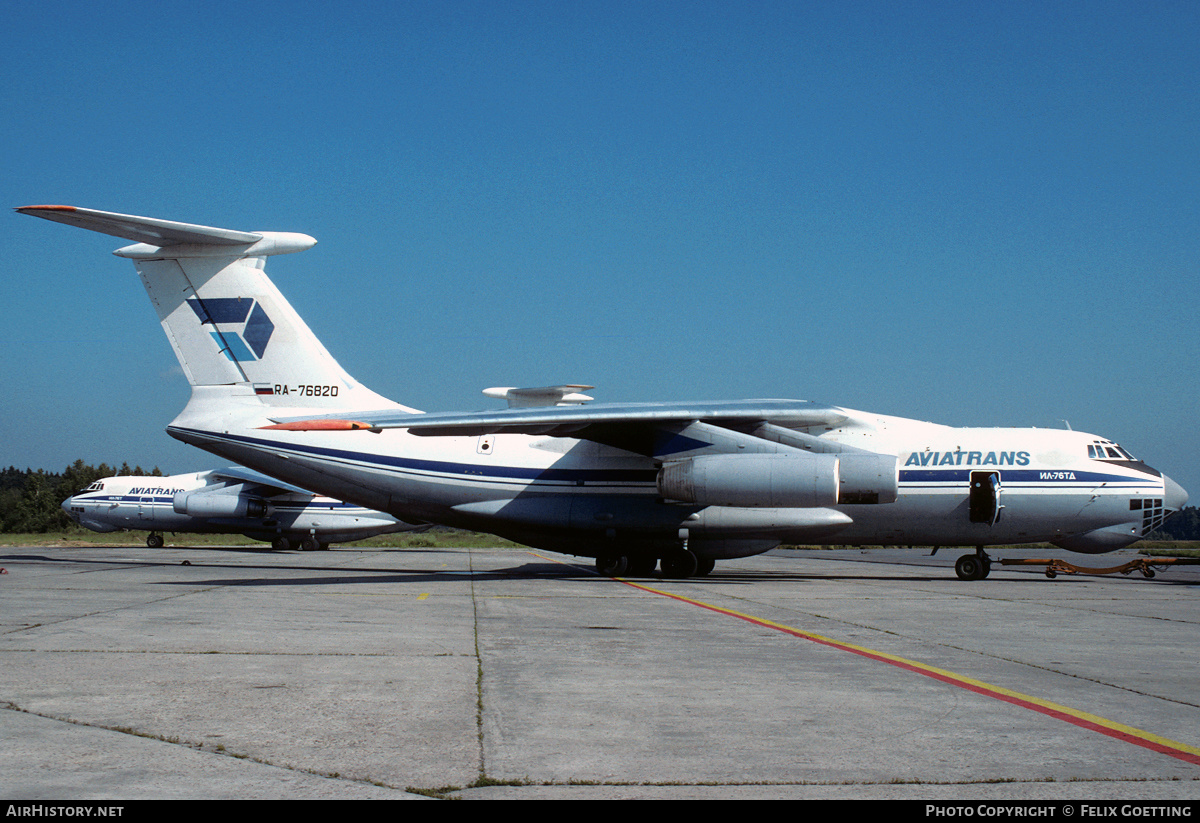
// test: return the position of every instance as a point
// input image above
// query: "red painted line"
(1083, 720)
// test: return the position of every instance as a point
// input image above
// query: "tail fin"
(230, 327)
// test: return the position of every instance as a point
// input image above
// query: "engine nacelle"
(216, 504)
(781, 481)
(777, 481)
(868, 478)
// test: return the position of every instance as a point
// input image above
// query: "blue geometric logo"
(247, 340)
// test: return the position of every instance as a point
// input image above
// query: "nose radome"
(1174, 496)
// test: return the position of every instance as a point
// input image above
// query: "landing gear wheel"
(704, 566)
(281, 544)
(612, 565)
(642, 566)
(679, 565)
(154, 541)
(969, 567)
(309, 544)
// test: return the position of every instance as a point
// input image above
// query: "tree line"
(1183, 525)
(31, 501)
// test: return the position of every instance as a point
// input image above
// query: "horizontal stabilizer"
(149, 230)
(158, 234)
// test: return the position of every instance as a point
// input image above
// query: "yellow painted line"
(1109, 728)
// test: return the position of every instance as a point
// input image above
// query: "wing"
(568, 421)
(261, 484)
(637, 427)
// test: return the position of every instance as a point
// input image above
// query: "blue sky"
(976, 214)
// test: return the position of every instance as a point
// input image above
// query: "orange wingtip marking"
(49, 208)
(319, 425)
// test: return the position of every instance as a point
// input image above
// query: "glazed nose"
(1174, 496)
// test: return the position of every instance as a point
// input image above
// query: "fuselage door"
(983, 501)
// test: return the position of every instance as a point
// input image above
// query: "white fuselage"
(579, 495)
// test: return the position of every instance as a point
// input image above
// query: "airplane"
(673, 485)
(226, 501)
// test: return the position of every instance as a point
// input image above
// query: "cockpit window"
(95, 487)
(1108, 450)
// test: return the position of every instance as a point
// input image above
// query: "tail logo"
(240, 326)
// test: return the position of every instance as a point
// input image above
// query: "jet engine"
(218, 504)
(780, 481)
(776, 481)
(866, 477)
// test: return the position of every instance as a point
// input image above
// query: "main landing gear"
(973, 566)
(307, 544)
(154, 540)
(679, 564)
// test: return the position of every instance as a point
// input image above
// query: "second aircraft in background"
(225, 501)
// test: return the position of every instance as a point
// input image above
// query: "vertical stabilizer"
(232, 330)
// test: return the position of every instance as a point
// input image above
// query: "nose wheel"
(973, 566)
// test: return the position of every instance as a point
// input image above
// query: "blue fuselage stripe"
(1024, 476)
(472, 470)
(1056, 478)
